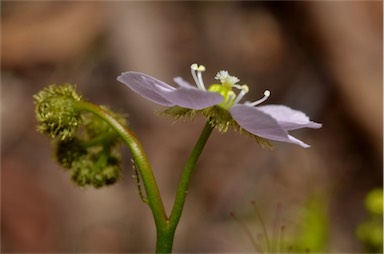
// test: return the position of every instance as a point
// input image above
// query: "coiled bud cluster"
(85, 144)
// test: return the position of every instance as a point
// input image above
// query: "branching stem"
(165, 226)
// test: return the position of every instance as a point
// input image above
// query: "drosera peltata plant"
(87, 136)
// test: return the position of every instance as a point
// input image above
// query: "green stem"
(165, 227)
(167, 239)
(149, 181)
(186, 176)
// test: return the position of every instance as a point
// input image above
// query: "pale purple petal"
(193, 98)
(288, 118)
(181, 82)
(147, 86)
(297, 141)
(261, 124)
(189, 96)
(186, 95)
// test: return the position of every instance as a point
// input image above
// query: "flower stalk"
(165, 226)
(164, 244)
(134, 145)
(87, 153)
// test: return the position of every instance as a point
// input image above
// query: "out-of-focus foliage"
(313, 228)
(370, 232)
(310, 232)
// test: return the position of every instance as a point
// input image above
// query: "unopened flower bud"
(87, 171)
(55, 112)
(68, 151)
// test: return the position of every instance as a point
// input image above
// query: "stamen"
(240, 87)
(267, 93)
(198, 78)
(194, 68)
(244, 90)
(230, 98)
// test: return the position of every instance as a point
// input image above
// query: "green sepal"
(222, 120)
(218, 117)
(177, 112)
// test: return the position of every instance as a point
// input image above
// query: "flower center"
(228, 82)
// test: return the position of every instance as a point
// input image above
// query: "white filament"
(244, 90)
(267, 93)
(198, 78)
(230, 98)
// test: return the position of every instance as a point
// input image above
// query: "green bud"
(81, 171)
(85, 143)
(87, 171)
(55, 113)
(68, 151)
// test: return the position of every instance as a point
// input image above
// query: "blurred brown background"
(324, 58)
